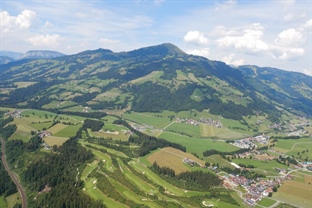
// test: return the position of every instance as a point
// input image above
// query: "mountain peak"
(45, 54)
(162, 49)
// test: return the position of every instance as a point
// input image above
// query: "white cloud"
(196, 37)
(108, 41)
(289, 37)
(22, 21)
(159, 1)
(288, 17)
(286, 53)
(225, 5)
(44, 40)
(229, 60)
(199, 52)
(250, 39)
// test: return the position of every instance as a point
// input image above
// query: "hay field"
(56, 128)
(296, 192)
(172, 158)
(53, 140)
(224, 133)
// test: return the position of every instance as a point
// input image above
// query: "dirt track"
(15, 180)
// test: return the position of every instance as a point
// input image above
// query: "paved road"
(15, 180)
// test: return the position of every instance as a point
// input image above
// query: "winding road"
(14, 178)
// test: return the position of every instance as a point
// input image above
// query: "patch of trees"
(7, 187)
(195, 180)
(57, 171)
(25, 94)
(8, 130)
(97, 115)
(286, 137)
(287, 160)
(94, 125)
(148, 143)
(207, 153)
(82, 99)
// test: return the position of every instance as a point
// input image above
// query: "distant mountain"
(5, 59)
(44, 54)
(11, 54)
(153, 79)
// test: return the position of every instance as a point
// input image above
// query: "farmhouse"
(43, 134)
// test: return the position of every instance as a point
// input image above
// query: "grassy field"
(68, 131)
(292, 147)
(223, 133)
(115, 152)
(218, 159)
(12, 200)
(264, 165)
(267, 202)
(196, 145)
(187, 129)
(95, 193)
(53, 140)
(173, 158)
(296, 192)
(2, 202)
(148, 119)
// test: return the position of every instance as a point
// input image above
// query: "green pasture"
(88, 169)
(114, 135)
(148, 119)
(58, 104)
(267, 202)
(112, 151)
(218, 159)
(97, 194)
(113, 127)
(68, 131)
(263, 165)
(129, 194)
(2, 202)
(42, 125)
(184, 129)
(13, 199)
(143, 169)
(53, 140)
(153, 76)
(148, 188)
(197, 145)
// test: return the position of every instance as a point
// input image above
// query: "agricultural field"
(150, 120)
(196, 145)
(267, 202)
(299, 148)
(172, 158)
(296, 192)
(12, 200)
(68, 131)
(53, 140)
(2, 202)
(268, 166)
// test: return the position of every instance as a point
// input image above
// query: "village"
(250, 142)
(207, 121)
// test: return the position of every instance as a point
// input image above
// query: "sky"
(267, 33)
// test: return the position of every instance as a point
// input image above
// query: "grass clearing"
(115, 152)
(148, 119)
(197, 145)
(173, 158)
(264, 165)
(12, 200)
(267, 202)
(56, 128)
(53, 140)
(2, 202)
(97, 194)
(68, 131)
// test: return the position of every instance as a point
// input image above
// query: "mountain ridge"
(146, 79)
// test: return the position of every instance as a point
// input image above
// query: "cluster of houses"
(192, 162)
(15, 114)
(207, 121)
(43, 134)
(249, 143)
(255, 189)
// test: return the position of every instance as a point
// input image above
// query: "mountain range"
(152, 79)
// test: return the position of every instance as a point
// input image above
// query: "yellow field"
(145, 78)
(172, 158)
(211, 131)
(52, 140)
(56, 128)
(117, 135)
(296, 192)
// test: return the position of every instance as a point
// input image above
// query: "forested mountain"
(153, 79)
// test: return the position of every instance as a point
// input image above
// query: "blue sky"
(274, 33)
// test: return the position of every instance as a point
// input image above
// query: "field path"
(299, 143)
(173, 153)
(14, 178)
(169, 125)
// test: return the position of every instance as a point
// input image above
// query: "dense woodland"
(195, 180)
